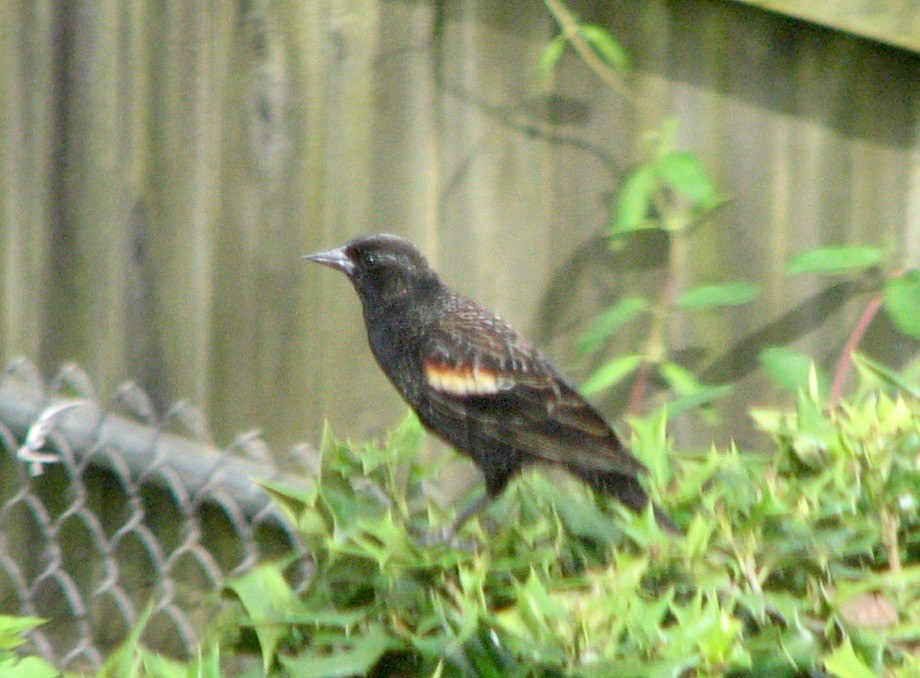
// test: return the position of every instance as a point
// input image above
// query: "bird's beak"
(336, 259)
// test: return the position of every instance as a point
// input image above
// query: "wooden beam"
(893, 22)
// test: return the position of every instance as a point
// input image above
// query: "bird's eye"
(378, 259)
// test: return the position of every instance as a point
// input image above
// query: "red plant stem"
(846, 357)
(637, 395)
(655, 346)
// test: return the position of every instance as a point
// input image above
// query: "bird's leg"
(448, 533)
(479, 504)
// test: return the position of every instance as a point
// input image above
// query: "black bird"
(476, 383)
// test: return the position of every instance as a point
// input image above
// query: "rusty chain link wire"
(106, 512)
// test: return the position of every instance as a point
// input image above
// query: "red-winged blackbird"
(475, 382)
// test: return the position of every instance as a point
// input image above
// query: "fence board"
(890, 21)
(26, 121)
(164, 165)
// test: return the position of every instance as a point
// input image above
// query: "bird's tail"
(628, 491)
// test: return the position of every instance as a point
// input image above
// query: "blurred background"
(165, 164)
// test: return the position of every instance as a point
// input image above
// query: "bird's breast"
(396, 349)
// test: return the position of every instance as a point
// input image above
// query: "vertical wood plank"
(26, 141)
(88, 243)
(186, 124)
(263, 212)
(302, 413)
(350, 379)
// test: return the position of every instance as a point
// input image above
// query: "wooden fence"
(164, 164)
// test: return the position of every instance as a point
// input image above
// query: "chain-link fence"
(106, 512)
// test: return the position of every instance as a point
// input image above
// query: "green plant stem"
(846, 356)
(750, 573)
(569, 25)
(890, 537)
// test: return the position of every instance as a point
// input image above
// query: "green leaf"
(684, 173)
(704, 395)
(845, 663)
(290, 498)
(791, 369)
(582, 517)
(678, 377)
(778, 652)
(128, 658)
(404, 443)
(323, 616)
(164, 667)
(652, 446)
(902, 302)
(889, 377)
(551, 55)
(721, 644)
(353, 655)
(605, 46)
(833, 260)
(208, 664)
(728, 294)
(33, 667)
(635, 200)
(608, 322)
(11, 629)
(267, 598)
(610, 373)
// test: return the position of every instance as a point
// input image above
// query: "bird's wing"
(481, 372)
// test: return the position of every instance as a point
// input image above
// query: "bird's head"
(383, 268)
